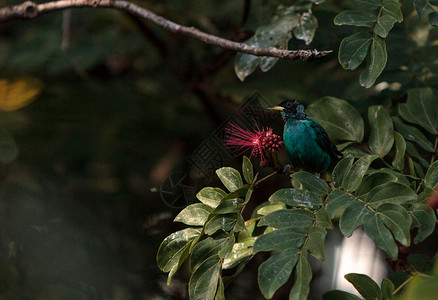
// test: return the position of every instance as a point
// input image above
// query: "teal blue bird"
(306, 142)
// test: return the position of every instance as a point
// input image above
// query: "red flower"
(261, 142)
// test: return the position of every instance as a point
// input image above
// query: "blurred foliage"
(118, 105)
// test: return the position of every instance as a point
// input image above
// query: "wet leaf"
(280, 239)
(315, 242)
(382, 237)
(373, 180)
(306, 27)
(353, 217)
(230, 178)
(303, 276)
(357, 171)
(203, 250)
(338, 201)
(391, 192)
(356, 18)
(296, 198)
(341, 169)
(221, 222)
(204, 280)
(194, 214)
(288, 218)
(276, 270)
(397, 219)
(211, 196)
(247, 170)
(311, 182)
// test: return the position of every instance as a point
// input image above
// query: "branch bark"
(30, 10)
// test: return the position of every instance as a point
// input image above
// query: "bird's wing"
(323, 140)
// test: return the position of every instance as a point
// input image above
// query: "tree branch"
(29, 10)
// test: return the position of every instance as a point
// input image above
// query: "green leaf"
(204, 281)
(420, 263)
(397, 219)
(245, 64)
(280, 239)
(373, 180)
(381, 136)
(220, 293)
(410, 148)
(221, 222)
(365, 286)
(276, 33)
(315, 242)
(173, 246)
(353, 217)
(355, 18)
(194, 214)
(204, 250)
(424, 7)
(339, 295)
(247, 170)
(296, 198)
(391, 192)
(239, 253)
(276, 270)
(387, 288)
(357, 171)
(376, 62)
(382, 237)
(369, 4)
(211, 196)
(323, 219)
(433, 19)
(354, 49)
(400, 177)
(303, 276)
(229, 206)
(339, 118)
(400, 149)
(288, 218)
(230, 178)
(431, 178)
(227, 246)
(338, 201)
(341, 169)
(421, 109)
(390, 13)
(412, 134)
(423, 218)
(306, 27)
(311, 182)
(270, 208)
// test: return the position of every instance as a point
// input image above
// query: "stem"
(30, 10)
(402, 285)
(264, 178)
(435, 148)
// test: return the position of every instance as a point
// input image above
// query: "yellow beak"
(280, 108)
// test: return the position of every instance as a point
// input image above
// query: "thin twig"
(30, 10)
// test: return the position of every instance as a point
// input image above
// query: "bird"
(306, 142)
